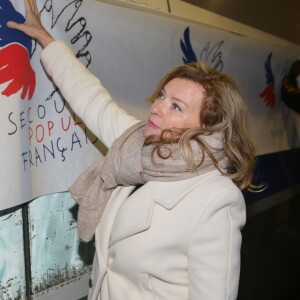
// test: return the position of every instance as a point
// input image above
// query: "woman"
(290, 89)
(290, 95)
(178, 235)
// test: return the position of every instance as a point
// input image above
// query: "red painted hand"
(268, 95)
(15, 67)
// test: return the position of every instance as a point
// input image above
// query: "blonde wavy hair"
(223, 110)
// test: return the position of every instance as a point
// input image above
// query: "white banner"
(45, 147)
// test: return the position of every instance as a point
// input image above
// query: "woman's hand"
(33, 26)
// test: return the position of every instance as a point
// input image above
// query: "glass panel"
(57, 255)
(12, 272)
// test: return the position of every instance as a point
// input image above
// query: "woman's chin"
(151, 131)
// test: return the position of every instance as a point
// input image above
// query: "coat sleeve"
(214, 249)
(85, 93)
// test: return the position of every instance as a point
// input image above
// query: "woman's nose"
(157, 108)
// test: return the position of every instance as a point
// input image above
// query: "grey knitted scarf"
(128, 163)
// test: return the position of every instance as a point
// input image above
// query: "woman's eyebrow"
(175, 98)
(180, 100)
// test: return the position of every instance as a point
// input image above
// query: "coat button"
(90, 283)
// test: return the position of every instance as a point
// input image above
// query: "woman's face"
(178, 106)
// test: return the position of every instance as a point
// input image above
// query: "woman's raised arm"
(82, 90)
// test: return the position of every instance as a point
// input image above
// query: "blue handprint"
(9, 35)
(15, 50)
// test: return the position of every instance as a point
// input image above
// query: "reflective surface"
(57, 255)
(12, 270)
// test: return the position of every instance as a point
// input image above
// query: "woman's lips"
(151, 124)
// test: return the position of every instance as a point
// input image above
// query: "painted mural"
(45, 146)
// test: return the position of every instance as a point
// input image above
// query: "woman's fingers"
(28, 7)
(32, 23)
(33, 26)
(14, 25)
(35, 8)
(31, 8)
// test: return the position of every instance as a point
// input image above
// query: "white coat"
(168, 240)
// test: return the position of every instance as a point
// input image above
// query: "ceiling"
(280, 18)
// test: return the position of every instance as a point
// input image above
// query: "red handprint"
(268, 95)
(15, 67)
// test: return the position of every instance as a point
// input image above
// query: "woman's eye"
(161, 96)
(176, 107)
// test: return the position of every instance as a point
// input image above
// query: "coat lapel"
(135, 214)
